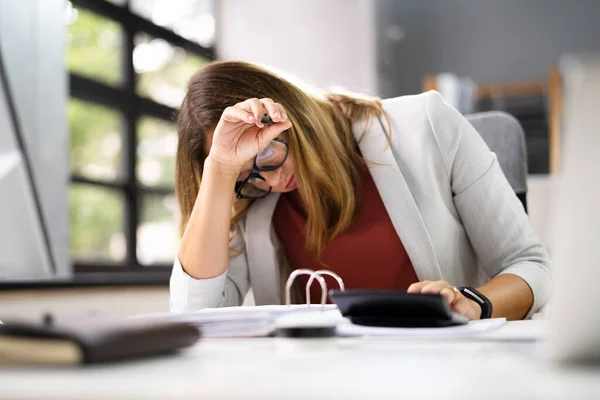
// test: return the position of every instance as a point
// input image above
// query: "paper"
(259, 321)
(243, 321)
(347, 328)
(527, 330)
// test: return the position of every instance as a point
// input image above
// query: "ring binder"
(313, 275)
(319, 273)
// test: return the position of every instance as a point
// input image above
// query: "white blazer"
(446, 196)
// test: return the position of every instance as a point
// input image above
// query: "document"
(260, 321)
(347, 328)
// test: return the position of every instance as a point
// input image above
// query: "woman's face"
(282, 179)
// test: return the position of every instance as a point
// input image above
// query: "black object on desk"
(395, 309)
(90, 340)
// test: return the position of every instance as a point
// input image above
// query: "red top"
(369, 255)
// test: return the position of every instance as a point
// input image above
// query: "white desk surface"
(504, 365)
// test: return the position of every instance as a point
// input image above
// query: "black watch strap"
(477, 297)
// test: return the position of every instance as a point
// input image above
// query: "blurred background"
(97, 83)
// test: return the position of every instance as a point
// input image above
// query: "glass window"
(103, 134)
(163, 69)
(157, 234)
(191, 19)
(97, 228)
(95, 45)
(96, 140)
(157, 145)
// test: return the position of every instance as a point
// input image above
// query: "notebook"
(76, 341)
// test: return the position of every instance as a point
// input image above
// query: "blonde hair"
(327, 159)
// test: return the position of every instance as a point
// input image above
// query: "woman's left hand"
(457, 302)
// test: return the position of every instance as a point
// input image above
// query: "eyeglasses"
(271, 158)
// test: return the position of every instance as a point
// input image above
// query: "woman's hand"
(239, 135)
(455, 299)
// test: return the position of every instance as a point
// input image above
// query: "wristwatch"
(477, 297)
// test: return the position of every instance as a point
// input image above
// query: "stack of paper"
(260, 321)
(230, 322)
(347, 328)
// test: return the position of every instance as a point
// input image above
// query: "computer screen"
(24, 243)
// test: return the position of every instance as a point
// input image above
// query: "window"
(129, 63)
(192, 19)
(162, 69)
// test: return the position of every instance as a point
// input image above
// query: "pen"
(267, 120)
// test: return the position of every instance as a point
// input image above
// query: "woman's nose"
(273, 178)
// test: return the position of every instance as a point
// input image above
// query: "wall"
(324, 42)
(488, 40)
(32, 40)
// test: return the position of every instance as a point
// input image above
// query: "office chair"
(504, 136)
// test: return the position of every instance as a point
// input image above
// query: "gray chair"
(504, 136)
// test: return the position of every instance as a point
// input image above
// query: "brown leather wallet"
(91, 340)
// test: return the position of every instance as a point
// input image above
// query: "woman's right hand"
(239, 135)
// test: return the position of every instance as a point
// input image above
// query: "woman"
(399, 195)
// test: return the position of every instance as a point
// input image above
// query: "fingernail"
(277, 115)
(250, 118)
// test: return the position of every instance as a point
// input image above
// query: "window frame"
(133, 107)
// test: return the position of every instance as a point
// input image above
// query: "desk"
(349, 368)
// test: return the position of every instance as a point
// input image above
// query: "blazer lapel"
(261, 251)
(398, 199)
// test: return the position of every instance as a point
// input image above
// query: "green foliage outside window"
(95, 45)
(96, 140)
(96, 216)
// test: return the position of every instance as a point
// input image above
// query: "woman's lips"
(291, 183)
